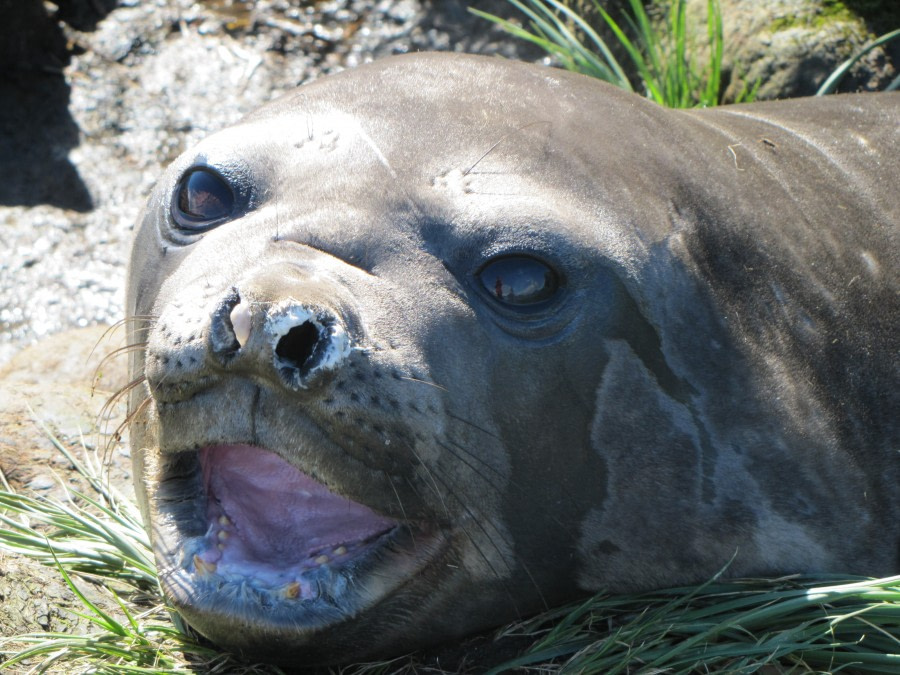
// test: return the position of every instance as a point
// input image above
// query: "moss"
(835, 10)
(829, 12)
(878, 15)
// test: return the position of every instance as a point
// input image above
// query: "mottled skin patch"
(714, 378)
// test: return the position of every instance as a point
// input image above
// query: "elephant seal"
(441, 341)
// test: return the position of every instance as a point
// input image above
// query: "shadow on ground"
(36, 130)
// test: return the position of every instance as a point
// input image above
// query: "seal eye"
(519, 280)
(203, 199)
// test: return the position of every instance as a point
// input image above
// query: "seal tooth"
(204, 567)
(291, 591)
(340, 550)
(240, 324)
(224, 521)
(223, 535)
(321, 560)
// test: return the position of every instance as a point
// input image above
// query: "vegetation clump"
(672, 68)
(662, 54)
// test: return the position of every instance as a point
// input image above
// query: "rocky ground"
(84, 141)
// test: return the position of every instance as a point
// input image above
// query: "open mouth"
(272, 524)
(242, 532)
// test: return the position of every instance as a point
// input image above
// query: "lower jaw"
(321, 573)
(252, 614)
(330, 614)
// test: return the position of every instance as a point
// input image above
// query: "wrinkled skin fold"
(433, 344)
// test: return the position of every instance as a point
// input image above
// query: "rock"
(791, 46)
(34, 598)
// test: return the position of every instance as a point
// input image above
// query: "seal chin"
(263, 544)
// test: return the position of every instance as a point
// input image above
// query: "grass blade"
(831, 84)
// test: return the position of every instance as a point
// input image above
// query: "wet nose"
(294, 342)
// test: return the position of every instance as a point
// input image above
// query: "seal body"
(444, 340)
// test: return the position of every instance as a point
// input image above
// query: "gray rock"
(791, 46)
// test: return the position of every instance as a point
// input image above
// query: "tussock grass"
(661, 53)
(100, 540)
(789, 625)
(672, 71)
(797, 624)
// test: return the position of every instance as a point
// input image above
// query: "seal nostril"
(296, 347)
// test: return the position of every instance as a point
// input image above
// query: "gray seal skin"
(444, 340)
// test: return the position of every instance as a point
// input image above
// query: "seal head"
(444, 340)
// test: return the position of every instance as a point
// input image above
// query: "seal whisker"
(116, 436)
(431, 475)
(474, 469)
(431, 384)
(400, 504)
(502, 138)
(474, 426)
(106, 412)
(117, 395)
(521, 489)
(504, 498)
(119, 324)
(479, 523)
(436, 476)
(127, 349)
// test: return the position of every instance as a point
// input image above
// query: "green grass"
(671, 72)
(795, 624)
(99, 540)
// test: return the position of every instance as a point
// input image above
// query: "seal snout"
(294, 341)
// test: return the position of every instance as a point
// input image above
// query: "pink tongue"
(277, 511)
